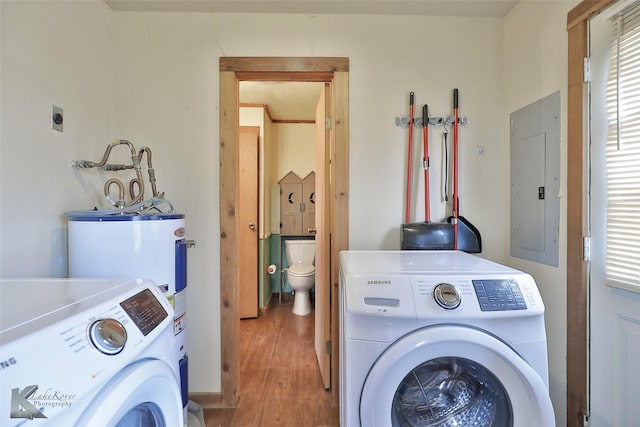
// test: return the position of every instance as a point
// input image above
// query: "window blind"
(623, 153)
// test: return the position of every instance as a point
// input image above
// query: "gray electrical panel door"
(535, 181)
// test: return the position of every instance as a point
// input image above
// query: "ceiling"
(477, 8)
(285, 100)
(297, 100)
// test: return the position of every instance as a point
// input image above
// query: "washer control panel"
(465, 296)
(443, 296)
(145, 310)
(499, 295)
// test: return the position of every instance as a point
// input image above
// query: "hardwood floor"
(280, 381)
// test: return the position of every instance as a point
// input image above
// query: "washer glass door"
(451, 391)
(144, 415)
(453, 376)
(144, 394)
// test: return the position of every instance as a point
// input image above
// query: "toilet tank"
(300, 251)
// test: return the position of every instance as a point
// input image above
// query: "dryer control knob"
(446, 295)
(108, 336)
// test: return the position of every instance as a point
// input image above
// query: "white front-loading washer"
(87, 352)
(440, 338)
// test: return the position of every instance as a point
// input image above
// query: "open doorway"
(285, 114)
(276, 335)
(333, 71)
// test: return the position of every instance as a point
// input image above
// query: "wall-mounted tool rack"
(433, 121)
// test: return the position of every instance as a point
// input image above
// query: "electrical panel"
(535, 181)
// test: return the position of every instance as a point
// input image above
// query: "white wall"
(165, 95)
(296, 145)
(294, 150)
(167, 98)
(535, 65)
(58, 53)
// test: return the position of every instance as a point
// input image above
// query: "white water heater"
(146, 246)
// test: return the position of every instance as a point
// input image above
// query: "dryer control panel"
(499, 295)
(466, 296)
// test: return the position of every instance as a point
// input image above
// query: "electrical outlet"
(56, 118)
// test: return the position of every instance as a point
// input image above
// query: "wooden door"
(323, 241)
(248, 165)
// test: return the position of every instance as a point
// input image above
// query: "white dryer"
(87, 352)
(440, 338)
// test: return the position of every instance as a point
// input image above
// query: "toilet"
(301, 272)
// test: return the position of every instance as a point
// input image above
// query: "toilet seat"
(302, 270)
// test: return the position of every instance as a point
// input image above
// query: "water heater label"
(180, 308)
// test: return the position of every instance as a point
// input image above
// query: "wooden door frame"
(577, 227)
(232, 71)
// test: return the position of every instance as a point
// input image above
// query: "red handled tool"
(409, 155)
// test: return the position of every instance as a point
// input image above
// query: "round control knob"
(108, 336)
(447, 296)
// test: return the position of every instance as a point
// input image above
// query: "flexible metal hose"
(120, 203)
(150, 170)
(137, 194)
